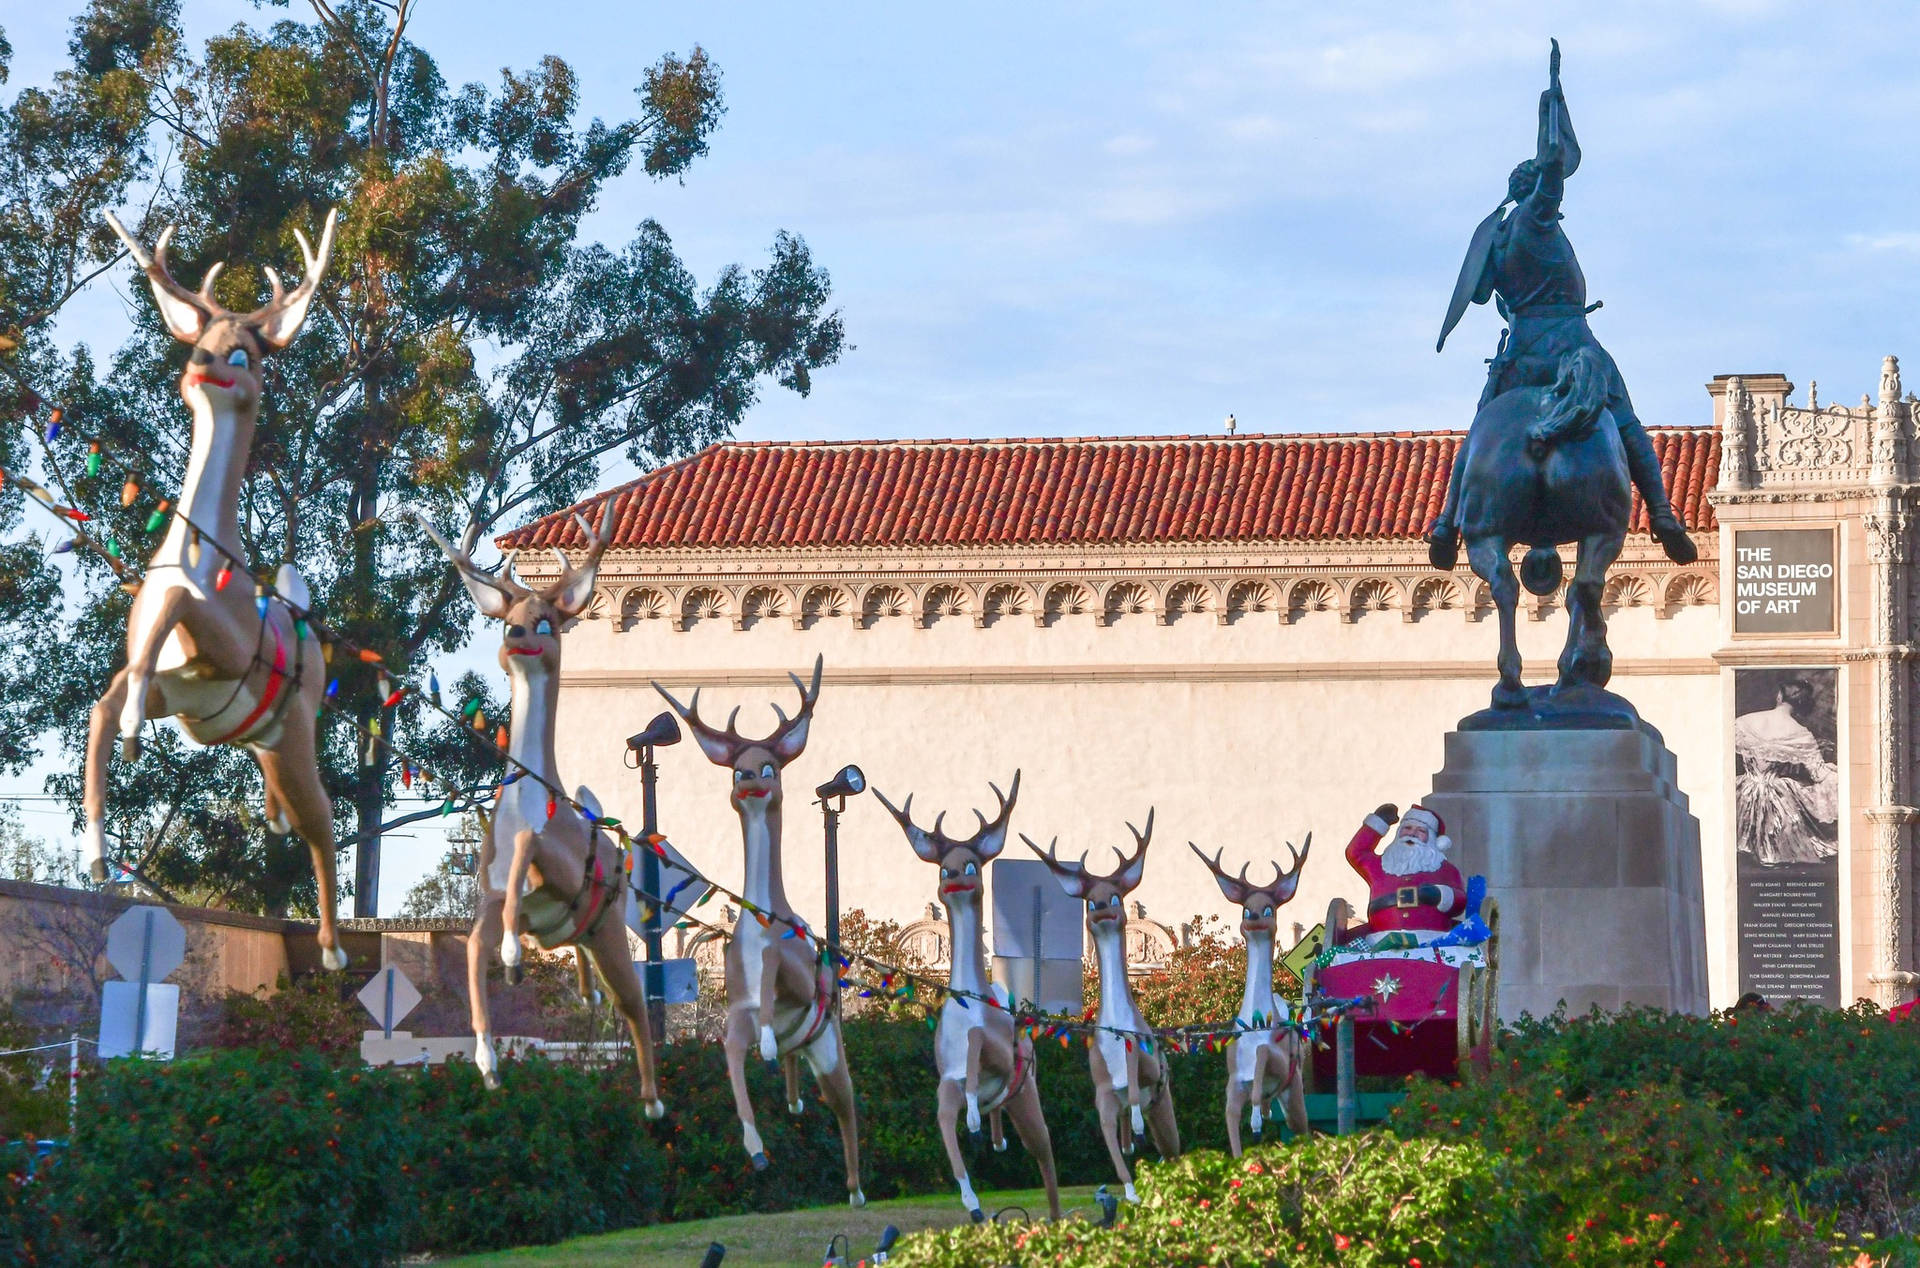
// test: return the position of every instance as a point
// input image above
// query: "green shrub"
(1358, 1201)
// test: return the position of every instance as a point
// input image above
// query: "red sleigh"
(1420, 1010)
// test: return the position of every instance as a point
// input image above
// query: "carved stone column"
(1889, 419)
(1887, 531)
(1736, 437)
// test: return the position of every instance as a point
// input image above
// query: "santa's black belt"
(1407, 896)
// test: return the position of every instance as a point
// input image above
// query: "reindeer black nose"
(516, 631)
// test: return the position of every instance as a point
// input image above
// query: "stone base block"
(1590, 848)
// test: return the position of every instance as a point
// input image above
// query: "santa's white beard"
(1407, 856)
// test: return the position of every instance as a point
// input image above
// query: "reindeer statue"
(1267, 1058)
(975, 1045)
(545, 870)
(232, 669)
(1124, 1066)
(780, 980)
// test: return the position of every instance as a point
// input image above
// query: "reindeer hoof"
(333, 959)
(1000, 1145)
(515, 973)
(769, 1046)
(977, 1215)
(592, 999)
(656, 1109)
(98, 871)
(491, 1079)
(797, 1107)
(759, 1162)
(130, 748)
(856, 1199)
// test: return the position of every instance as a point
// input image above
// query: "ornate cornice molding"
(976, 675)
(1273, 581)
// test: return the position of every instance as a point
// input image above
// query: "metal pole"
(650, 882)
(832, 813)
(386, 1014)
(140, 1004)
(73, 1087)
(1345, 1106)
(1035, 997)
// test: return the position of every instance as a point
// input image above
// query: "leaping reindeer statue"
(981, 1059)
(544, 869)
(780, 982)
(1267, 1058)
(1123, 1066)
(231, 669)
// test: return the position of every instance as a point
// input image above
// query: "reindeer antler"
(1284, 883)
(932, 846)
(1077, 880)
(1073, 877)
(492, 594)
(722, 747)
(188, 312)
(574, 589)
(1235, 888)
(280, 319)
(185, 312)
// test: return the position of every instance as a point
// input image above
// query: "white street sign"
(146, 943)
(122, 1013)
(390, 996)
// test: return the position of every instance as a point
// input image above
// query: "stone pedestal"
(1594, 857)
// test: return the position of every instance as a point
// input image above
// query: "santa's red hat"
(1435, 826)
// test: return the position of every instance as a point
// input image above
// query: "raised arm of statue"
(1557, 150)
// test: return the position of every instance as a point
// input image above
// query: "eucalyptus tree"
(473, 357)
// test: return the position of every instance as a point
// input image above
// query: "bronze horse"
(1543, 467)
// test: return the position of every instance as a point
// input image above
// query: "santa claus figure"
(1412, 885)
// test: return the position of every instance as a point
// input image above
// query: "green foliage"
(316, 1012)
(1356, 1201)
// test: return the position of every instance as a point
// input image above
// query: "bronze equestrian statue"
(1555, 450)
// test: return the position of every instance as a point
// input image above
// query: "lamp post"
(833, 800)
(663, 730)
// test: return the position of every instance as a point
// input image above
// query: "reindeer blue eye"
(543, 626)
(1248, 911)
(945, 873)
(766, 770)
(739, 777)
(238, 357)
(1114, 901)
(971, 870)
(1092, 905)
(1267, 912)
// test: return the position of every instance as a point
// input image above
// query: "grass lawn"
(791, 1239)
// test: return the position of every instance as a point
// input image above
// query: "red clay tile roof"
(1098, 490)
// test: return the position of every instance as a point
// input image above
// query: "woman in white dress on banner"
(1786, 787)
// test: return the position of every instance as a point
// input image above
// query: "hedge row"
(260, 1156)
(1641, 1140)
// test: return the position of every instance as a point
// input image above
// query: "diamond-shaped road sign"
(389, 996)
(146, 943)
(1302, 955)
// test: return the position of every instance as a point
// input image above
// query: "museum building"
(1242, 633)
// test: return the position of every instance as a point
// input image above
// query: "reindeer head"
(228, 348)
(1258, 903)
(756, 764)
(962, 863)
(532, 618)
(1104, 895)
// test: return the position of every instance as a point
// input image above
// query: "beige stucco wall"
(1239, 735)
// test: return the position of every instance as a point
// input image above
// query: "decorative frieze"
(1386, 584)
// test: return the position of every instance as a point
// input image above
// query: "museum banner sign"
(1784, 581)
(1787, 818)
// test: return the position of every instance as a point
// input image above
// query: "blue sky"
(1067, 219)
